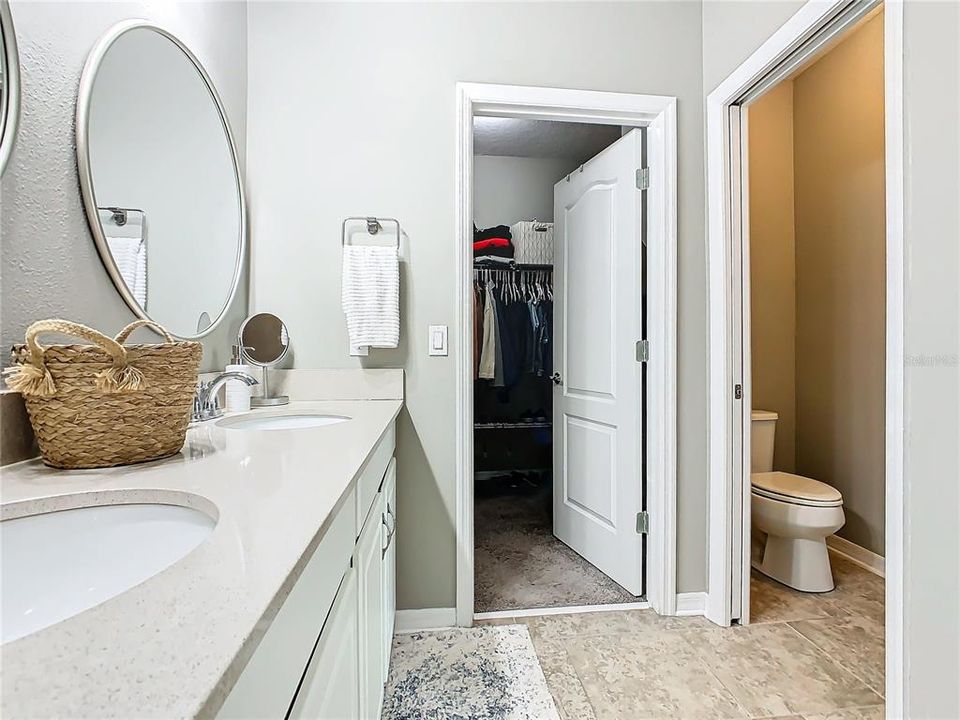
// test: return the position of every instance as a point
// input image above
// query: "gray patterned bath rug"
(481, 673)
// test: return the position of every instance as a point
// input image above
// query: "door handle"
(557, 380)
(391, 531)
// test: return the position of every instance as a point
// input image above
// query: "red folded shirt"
(491, 243)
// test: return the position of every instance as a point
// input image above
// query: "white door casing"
(657, 115)
(598, 216)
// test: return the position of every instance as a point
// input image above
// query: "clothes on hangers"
(517, 325)
(512, 317)
(487, 367)
(477, 328)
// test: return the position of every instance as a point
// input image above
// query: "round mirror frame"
(246, 357)
(10, 102)
(88, 194)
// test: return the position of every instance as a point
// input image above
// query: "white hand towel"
(370, 295)
(140, 281)
(130, 255)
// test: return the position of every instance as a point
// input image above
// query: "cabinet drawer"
(372, 474)
(267, 685)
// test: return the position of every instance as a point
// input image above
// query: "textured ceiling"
(541, 138)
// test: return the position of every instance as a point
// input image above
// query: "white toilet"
(796, 513)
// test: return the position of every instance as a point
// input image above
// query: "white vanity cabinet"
(326, 654)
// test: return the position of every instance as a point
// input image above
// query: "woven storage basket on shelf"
(100, 405)
(533, 241)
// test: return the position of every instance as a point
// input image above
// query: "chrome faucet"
(205, 404)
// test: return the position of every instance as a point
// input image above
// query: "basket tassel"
(30, 380)
(121, 379)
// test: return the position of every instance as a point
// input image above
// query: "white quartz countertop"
(174, 645)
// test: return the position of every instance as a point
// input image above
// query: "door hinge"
(738, 392)
(643, 522)
(643, 351)
(643, 178)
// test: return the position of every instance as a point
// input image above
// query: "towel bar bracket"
(374, 226)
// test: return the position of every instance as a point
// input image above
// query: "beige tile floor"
(804, 657)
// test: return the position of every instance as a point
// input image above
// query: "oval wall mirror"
(9, 85)
(160, 179)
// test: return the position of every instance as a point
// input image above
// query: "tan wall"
(840, 261)
(773, 305)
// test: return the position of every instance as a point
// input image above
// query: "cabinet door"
(389, 562)
(268, 683)
(370, 566)
(331, 684)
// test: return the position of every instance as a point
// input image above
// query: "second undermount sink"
(58, 564)
(288, 421)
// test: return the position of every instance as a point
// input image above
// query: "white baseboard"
(859, 555)
(691, 603)
(409, 621)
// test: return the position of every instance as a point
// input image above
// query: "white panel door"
(598, 397)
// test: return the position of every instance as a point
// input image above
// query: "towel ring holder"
(374, 226)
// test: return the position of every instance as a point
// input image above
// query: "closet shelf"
(510, 425)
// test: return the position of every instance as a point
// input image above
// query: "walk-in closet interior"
(519, 563)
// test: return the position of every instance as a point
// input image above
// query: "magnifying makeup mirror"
(264, 342)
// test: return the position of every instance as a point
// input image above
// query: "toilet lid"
(795, 489)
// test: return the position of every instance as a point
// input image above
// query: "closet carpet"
(518, 563)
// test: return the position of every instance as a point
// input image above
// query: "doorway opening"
(805, 266)
(547, 530)
(812, 327)
(566, 452)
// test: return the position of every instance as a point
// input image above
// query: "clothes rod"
(512, 265)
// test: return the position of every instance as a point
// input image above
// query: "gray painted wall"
(507, 190)
(50, 266)
(373, 131)
(733, 30)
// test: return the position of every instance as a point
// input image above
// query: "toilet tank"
(763, 431)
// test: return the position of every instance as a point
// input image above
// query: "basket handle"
(35, 379)
(136, 324)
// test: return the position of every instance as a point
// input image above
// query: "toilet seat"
(795, 489)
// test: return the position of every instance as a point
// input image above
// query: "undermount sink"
(56, 565)
(290, 421)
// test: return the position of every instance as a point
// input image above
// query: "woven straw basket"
(101, 405)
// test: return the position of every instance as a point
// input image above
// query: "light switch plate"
(437, 340)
